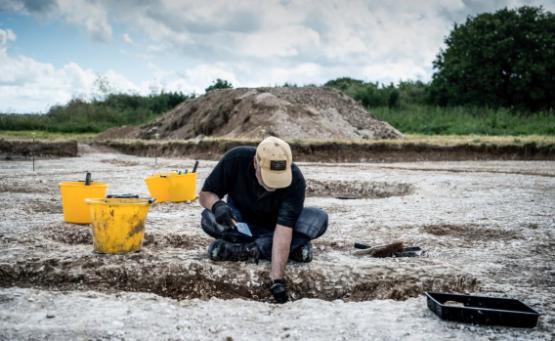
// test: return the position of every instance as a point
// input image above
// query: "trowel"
(244, 229)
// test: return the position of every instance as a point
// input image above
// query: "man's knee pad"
(313, 222)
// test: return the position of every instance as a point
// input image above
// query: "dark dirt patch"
(5, 298)
(122, 163)
(51, 206)
(69, 233)
(533, 268)
(458, 283)
(18, 149)
(175, 240)
(7, 239)
(323, 246)
(469, 232)
(356, 189)
(81, 234)
(543, 174)
(17, 186)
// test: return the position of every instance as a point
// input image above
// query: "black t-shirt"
(235, 176)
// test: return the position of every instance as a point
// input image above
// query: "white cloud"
(192, 80)
(27, 85)
(247, 42)
(352, 35)
(30, 86)
(304, 74)
(90, 15)
(285, 41)
(87, 14)
(5, 37)
(127, 39)
(392, 72)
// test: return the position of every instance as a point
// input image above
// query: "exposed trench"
(24, 149)
(176, 265)
(60, 256)
(338, 151)
(486, 171)
(197, 277)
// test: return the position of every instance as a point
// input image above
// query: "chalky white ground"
(488, 229)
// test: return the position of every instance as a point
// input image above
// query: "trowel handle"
(361, 246)
(88, 179)
(234, 224)
(195, 166)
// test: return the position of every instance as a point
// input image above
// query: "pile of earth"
(290, 113)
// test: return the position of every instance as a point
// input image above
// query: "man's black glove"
(223, 214)
(279, 291)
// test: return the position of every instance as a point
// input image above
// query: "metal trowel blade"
(244, 229)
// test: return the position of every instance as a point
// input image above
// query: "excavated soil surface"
(23, 149)
(356, 189)
(289, 113)
(480, 235)
(341, 151)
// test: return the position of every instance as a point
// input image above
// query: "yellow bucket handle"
(129, 196)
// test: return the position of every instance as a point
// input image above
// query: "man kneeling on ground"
(265, 190)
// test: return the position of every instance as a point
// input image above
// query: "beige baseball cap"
(274, 158)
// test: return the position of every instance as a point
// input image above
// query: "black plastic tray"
(482, 310)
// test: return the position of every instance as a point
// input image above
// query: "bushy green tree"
(368, 94)
(219, 84)
(412, 92)
(501, 59)
(344, 83)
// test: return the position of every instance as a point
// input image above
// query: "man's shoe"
(302, 254)
(221, 250)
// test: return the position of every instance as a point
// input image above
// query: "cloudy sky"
(54, 50)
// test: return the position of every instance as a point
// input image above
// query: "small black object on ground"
(482, 310)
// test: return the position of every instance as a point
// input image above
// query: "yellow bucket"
(183, 186)
(118, 224)
(74, 194)
(158, 186)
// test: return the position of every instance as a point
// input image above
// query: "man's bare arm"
(207, 199)
(280, 250)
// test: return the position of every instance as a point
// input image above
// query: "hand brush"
(381, 251)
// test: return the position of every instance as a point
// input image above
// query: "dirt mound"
(289, 113)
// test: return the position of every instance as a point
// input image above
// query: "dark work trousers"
(311, 224)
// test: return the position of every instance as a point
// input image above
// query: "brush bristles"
(388, 250)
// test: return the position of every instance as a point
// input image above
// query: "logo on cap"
(278, 165)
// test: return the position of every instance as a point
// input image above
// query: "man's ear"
(255, 163)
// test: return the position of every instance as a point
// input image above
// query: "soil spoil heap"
(290, 113)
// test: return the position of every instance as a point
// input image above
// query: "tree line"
(79, 116)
